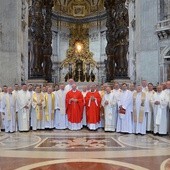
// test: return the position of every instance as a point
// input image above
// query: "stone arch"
(164, 52)
(165, 60)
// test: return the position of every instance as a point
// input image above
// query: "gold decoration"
(79, 8)
(79, 60)
(79, 39)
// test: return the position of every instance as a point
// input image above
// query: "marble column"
(146, 41)
(13, 41)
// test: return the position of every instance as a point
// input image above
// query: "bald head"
(71, 81)
(84, 89)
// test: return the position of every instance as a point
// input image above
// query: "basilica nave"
(48, 42)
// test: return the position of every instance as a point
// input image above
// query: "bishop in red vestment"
(74, 108)
(93, 101)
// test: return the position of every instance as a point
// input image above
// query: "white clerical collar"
(74, 90)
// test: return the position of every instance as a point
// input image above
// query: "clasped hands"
(106, 102)
(92, 98)
(121, 107)
(39, 104)
(157, 103)
(73, 100)
(26, 107)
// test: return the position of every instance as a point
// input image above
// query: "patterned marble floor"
(83, 150)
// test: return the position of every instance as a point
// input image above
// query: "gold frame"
(79, 11)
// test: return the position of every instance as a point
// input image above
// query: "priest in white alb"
(84, 92)
(23, 108)
(3, 94)
(9, 107)
(116, 90)
(167, 91)
(60, 117)
(68, 87)
(109, 104)
(144, 85)
(124, 119)
(160, 104)
(102, 92)
(140, 109)
(149, 114)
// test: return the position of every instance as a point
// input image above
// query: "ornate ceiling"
(78, 8)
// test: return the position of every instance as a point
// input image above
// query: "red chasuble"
(93, 107)
(74, 109)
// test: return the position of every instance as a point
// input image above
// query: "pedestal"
(120, 81)
(37, 82)
(110, 84)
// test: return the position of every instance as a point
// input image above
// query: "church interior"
(90, 41)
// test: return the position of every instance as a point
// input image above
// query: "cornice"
(70, 19)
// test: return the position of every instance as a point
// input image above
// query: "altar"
(79, 63)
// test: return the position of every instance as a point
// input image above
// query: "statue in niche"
(92, 76)
(87, 73)
(69, 74)
(79, 54)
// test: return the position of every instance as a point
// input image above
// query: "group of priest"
(125, 108)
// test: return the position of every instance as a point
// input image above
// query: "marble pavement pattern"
(85, 150)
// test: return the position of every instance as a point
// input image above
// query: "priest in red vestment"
(93, 101)
(74, 108)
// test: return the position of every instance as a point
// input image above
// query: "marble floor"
(83, 150)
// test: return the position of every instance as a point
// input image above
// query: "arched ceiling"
(78, 8)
